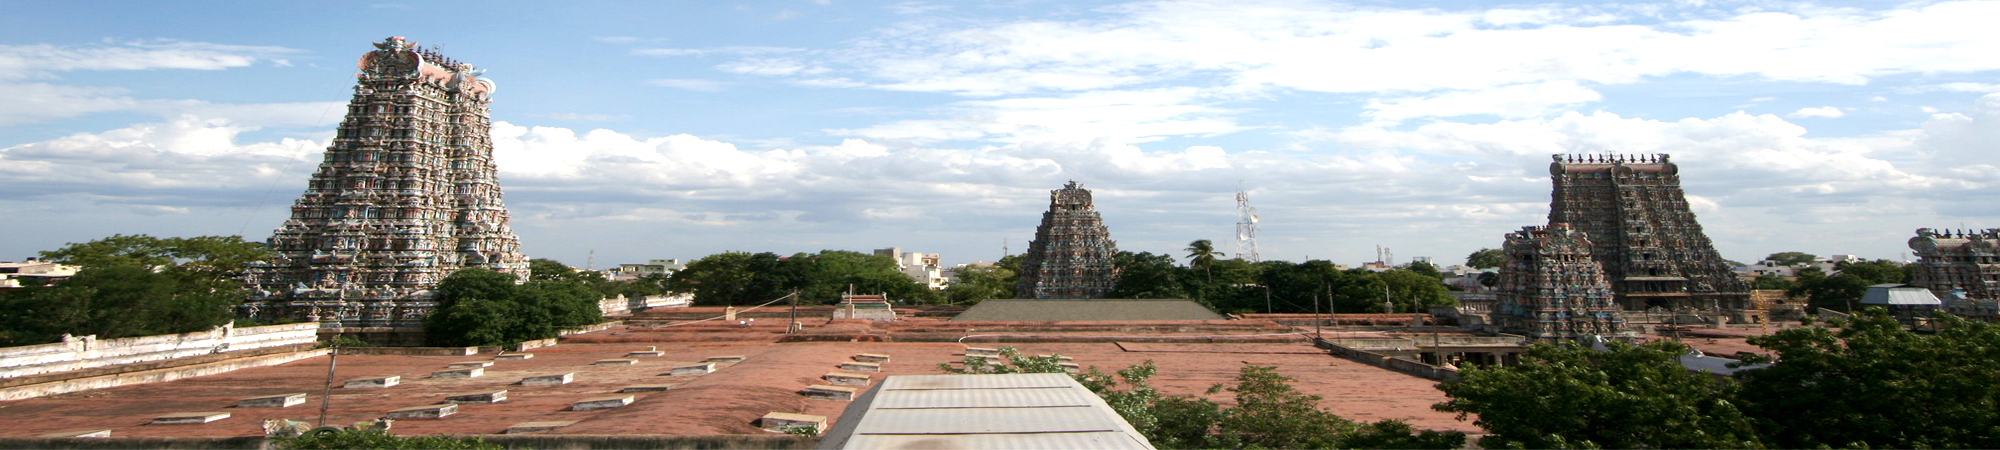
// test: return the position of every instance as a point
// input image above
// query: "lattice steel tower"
(1641, 229)
(1071, 254)
(406, 194)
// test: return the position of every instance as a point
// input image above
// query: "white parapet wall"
(88, 352)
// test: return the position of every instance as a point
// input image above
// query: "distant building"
(920, 267)
(1653, 251)
(1551, 287)
(13, 273)
(626, 272)
(1071, 254)
(1962, 261)
(405, 195)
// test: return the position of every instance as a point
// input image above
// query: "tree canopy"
(1486, 258)
(482, 307)
(738, 278)
(1569, 396)
(1791, 258)
(132, 285)
(1875, 384)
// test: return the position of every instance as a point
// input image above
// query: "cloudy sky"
(644, 130)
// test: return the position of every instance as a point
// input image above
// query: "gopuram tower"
(1641, 229)
(1071, 254)
(406, 195)
(1551, 287)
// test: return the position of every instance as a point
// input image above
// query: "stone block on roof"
(824, 392)
(515, 356)
(188, 418)
(466, 364)
(493, 396)
(273, 401)
(845, 379)
(779, 422)
(375, 382)
(872, 358)
(861, 367)
(549, 380)
(97, 433)
(437, 411)
(724, 359)
(537, 427)
(606, 402)
(646, 388)
(615, 362)
(472, 372)
(697, 369)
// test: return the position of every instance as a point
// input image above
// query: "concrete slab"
(437, 411)
(272, 401)
(981, 351)
(466, 364)
(824, 392)
(104, 432)
(872, 358)
(595, 403)
(646, 388)
(376, 382)
(779, 422)
(473, 372)
(549, 380)
(724, 359)
(645, 354)
(697, 369)
(495, 396)
(615, 362)
(845, 379)
(537, 427)
(1071, 367)
(861, 367)
(187, 418)
(515, 356)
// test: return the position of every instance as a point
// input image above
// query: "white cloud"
(688, 84)
(1823, 111)
(45, 99)
(23, 60)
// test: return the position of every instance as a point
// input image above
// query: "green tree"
(1875, 384)
(1425, 269)
(482, 307)
(1875, 272)
(722, 278)
(972, 284)
(1770, 281)
(1569, 396)
(370, 439)
(1839, 292)
(1791, 258)
(549, 269)
(1486, 258)
(1146, 275)
(133, 285)
(1202, 256)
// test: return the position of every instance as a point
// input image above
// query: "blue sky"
(643, 130)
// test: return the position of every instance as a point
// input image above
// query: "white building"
(11, 273)
(626, 272)
(920, 267)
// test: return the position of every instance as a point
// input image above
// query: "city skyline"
(641, 131)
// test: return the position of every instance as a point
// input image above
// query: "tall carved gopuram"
(1551, 287)
(1641, 229)
(1958, 260)
(1071, 254)
(406, 194)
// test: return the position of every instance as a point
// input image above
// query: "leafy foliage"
(1791, 258)
(971, 284)
(1569, 396)
(132, 286)
(1146, 275)
(737, 278)
(1874, 384)
(1486, 258)
(370, 439)
(482, 307)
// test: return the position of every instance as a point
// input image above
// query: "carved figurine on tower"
(406, 194)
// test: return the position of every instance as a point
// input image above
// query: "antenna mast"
(1246, 228)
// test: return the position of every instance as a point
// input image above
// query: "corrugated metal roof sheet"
(1899, 295)
(983, 398)
(1101, 440)
(1024, 380)
(1041, 410)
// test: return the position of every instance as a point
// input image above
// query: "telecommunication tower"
(1246, 228)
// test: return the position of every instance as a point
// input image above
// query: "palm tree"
(1201, 255)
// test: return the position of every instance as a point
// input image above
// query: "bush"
(356, 439)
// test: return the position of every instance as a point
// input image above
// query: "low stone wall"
(1386, 362)
(590, 328)
(381, 336)
(414, 351)
(89, 352)
(140, 373)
